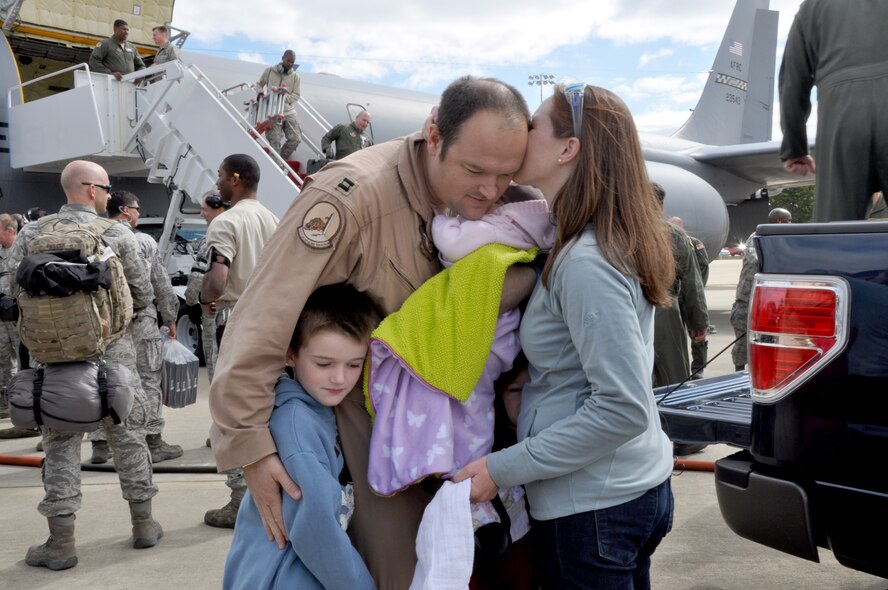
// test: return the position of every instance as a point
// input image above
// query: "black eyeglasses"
(136, 207)
(107, 187)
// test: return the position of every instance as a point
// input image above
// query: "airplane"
(721, 159)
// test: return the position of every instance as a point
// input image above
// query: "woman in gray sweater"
(590, 450)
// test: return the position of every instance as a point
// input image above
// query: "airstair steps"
(168, 119)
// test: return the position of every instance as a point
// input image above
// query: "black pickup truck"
(811, 415)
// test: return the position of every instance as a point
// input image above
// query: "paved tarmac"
(700, 553)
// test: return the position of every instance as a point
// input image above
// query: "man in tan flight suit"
(365, 221)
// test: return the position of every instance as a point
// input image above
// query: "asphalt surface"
(699, 553)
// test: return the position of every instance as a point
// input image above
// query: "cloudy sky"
(654, 53)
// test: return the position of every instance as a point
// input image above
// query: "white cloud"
(250, 56)
(423, 45)
(649, 56)
(661, 120)
(372, 40)
(358, 41)
(666, 88)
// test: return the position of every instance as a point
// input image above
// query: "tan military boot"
(101, 452)
(226, 516)
(146, 531)
(58, 552)
(18, 432)
(161, 450)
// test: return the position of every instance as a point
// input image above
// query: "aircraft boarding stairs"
(174, 123)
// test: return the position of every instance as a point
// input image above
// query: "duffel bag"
(70, 397)
(315, 165)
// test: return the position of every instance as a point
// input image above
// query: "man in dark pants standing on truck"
(839, 46)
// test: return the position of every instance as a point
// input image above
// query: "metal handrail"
(21, 86)
(282, 164)
(171, 71)
(236, 86)
(318, 118)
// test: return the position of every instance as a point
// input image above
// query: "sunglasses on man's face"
(107, 187)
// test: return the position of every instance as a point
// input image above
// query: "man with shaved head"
(283, 75)
(347, 138)
(87, 189)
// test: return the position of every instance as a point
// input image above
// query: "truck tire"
(188, 333)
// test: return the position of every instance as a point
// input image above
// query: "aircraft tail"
(736, 104)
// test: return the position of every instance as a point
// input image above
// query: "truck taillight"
(796, 325)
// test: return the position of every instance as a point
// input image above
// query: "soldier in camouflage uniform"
(279, 76)
(8, 335)
(740, 309)
(124, 206)
(9, 340)
(86, 187)
(167, 51)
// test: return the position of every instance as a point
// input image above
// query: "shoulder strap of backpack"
(44, 223)
(37, 393)
(102, 224)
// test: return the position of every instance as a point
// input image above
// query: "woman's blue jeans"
(605, 549)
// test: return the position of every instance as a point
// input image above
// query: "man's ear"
(433, 139)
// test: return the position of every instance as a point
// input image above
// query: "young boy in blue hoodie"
(324, 362)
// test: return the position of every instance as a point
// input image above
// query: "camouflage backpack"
(79, 326)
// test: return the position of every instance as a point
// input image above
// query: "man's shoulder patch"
(346, 185)
(320, 225)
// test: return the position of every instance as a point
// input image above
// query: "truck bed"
(707, 411)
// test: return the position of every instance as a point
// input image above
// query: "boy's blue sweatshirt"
(319, 553)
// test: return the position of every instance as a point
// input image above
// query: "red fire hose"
(693, 465)
(21, 460)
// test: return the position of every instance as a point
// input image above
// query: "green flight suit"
(348, 139)
(688, 312)
(109, 56)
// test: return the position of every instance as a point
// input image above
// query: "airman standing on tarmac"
(87, 188)
(234, 243)
(740, 309)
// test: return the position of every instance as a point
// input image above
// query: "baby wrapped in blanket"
(432, 365)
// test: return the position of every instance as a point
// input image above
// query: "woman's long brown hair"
(610, 189)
